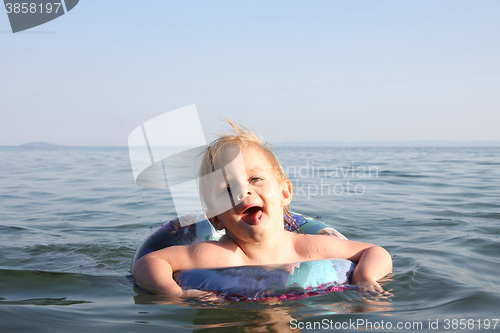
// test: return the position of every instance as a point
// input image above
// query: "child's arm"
(374, 263)
(154, 271)
(155, 274)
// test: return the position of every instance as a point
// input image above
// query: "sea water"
(71, 219)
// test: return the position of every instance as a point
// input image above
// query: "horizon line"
(330, 143)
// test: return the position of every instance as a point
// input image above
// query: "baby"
(251, 203)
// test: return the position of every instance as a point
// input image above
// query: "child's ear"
(286, 193)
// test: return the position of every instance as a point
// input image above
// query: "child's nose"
(242, 196)
(243, 190)
(242, 193)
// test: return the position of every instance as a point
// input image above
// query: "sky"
(349, 71)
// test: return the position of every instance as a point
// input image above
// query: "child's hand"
(373, 296)
(371, 289)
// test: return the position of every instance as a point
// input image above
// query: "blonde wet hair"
(242, 137)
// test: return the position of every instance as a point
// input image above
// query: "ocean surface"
(71, 219)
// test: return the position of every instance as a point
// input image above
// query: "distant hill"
(39, 144)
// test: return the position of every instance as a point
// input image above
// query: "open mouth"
(252, 210)
(252, 215)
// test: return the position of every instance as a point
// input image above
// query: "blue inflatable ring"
(253, 283)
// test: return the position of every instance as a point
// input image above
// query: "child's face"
(257, 197)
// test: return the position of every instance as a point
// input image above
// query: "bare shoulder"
(307, 240)
(318, 247)
(209, 254)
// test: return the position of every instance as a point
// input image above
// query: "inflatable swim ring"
(253, 283)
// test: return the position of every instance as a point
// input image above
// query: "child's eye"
(254, 179)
